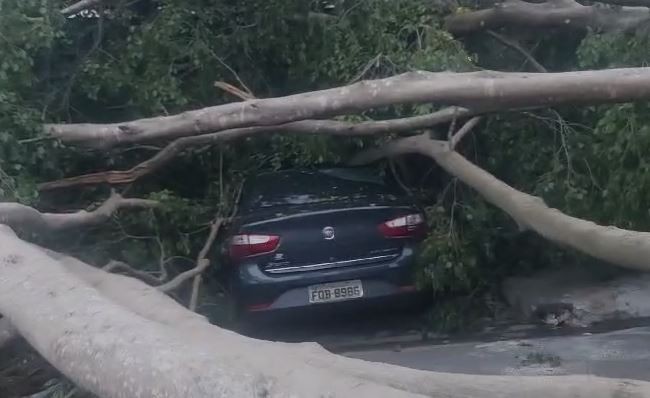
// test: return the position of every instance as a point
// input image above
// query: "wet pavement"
(619, 354)
(615, 349)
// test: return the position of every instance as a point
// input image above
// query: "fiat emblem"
(328, 233)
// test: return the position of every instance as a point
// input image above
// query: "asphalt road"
(619, 354)
(618, 349)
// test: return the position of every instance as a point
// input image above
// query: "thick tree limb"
(621, 247)
(80, 6)
(99, 338)
(485, 90)
(331, 127)
(550, 14)
(29, 219)
(152, 304)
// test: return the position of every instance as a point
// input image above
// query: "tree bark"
(485, 90)
(621, 247)
(550, 14)
(7, 332)
(97, 335)
(330, 127)
(28, 219)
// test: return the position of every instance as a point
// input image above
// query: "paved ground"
(617, 349)
(622, 354)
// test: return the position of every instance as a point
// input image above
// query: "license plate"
(339, 291)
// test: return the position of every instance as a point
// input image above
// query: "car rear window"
(309, 187)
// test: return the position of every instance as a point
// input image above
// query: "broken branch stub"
(484, 90)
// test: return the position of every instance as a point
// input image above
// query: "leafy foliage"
(146, 58)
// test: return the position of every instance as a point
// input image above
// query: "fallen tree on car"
(117, 336)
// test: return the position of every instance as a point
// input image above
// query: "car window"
(309, 187)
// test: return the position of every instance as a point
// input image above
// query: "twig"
(515, 46)
(393, 169)
(373, 61)
(230, 69)
(36, 139)
(201, 262)
(451, 234)
(452, 127)
(162, 264)
(196, 283)
(467, 127)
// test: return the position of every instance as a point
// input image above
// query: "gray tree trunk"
(129, 340)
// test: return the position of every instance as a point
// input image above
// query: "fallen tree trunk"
(112, 352)
(485, 90)
(550, 14)
(618, 246)
(101, 340)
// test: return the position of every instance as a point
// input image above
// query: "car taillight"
(242, 246)
(408, 226)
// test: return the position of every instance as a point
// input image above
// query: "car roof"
(357, 174)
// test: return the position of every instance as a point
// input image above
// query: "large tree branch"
(485, 90)
(117, 337)
(331, 127)
(31, 220)
(618, 246)
(550, 14)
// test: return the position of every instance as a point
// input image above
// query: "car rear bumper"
(257, 291)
